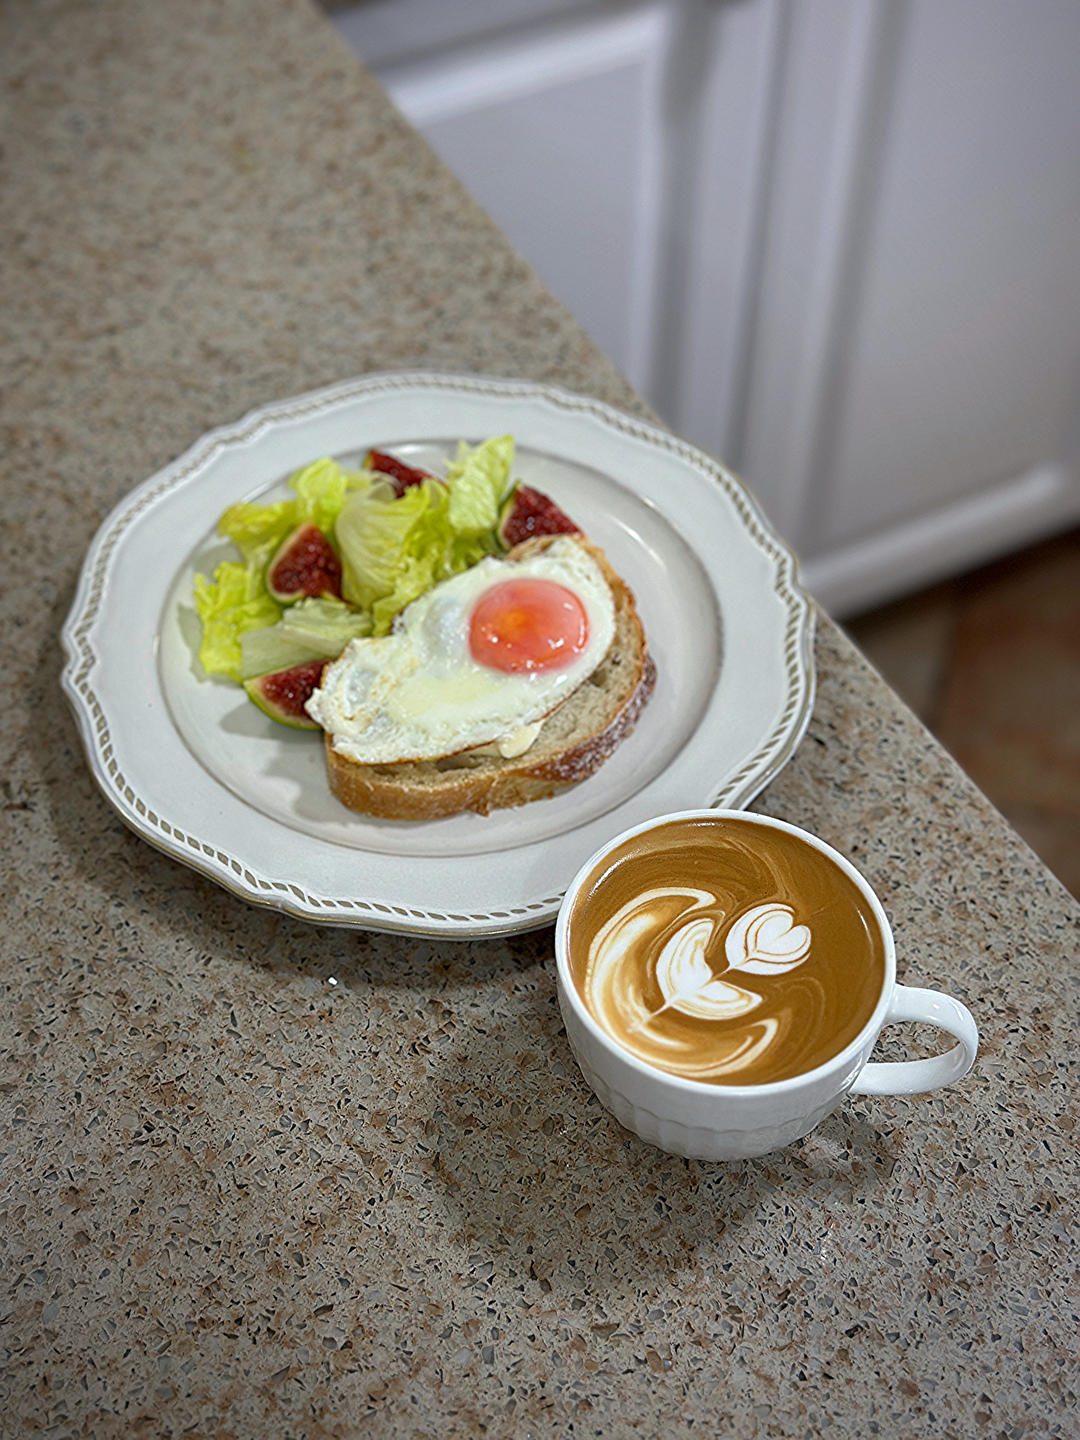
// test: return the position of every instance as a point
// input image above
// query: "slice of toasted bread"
(574, 740)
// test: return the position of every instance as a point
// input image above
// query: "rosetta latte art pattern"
(764, 940)
(763, 965)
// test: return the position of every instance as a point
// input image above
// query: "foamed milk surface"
(726, 951)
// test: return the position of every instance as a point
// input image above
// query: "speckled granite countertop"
(237, 1200)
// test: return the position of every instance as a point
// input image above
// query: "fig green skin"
(260, 692)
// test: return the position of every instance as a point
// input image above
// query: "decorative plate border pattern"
(773, 752)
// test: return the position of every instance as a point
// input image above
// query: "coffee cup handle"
(912, 1077)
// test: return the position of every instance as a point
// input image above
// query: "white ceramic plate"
(199, 772)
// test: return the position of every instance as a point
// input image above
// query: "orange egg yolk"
(527, 625)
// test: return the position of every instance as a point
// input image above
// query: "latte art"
(766, 941)
(762, 965)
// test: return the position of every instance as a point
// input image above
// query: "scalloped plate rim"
(278, 892)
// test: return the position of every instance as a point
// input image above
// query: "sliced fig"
(304, 564)
(396, 470)
(528, 512)
(282, 694)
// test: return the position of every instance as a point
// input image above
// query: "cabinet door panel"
(559, 138)
(962, 361)
(826, 57)
(723, 67)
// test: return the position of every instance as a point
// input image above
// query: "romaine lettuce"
(478, 479)
(321, 488)
(394, 549)
(235, 601)
(312, 629)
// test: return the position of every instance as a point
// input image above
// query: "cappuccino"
(724, 950)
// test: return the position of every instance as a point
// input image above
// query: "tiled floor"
(991, 663)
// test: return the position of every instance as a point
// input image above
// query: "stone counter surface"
(260, 1179)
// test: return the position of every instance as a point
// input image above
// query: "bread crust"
(576, 740)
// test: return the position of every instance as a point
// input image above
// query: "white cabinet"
(835, 242)
(560, 141)
(558, 129)
(913, 386)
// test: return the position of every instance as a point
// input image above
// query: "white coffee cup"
(728, 1122)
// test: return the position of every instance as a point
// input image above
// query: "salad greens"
(392, 548)
(315, 628)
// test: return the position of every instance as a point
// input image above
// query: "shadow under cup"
(723, 978)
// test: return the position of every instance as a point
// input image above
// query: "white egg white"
(417, 693)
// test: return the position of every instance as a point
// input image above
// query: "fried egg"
(480, 658)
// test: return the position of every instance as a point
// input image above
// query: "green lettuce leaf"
(415, 575)
(257, 530)
(320, 491)
(235, 601)
(478, 480)
(394, 549)
(312, 629)
(391, 549)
